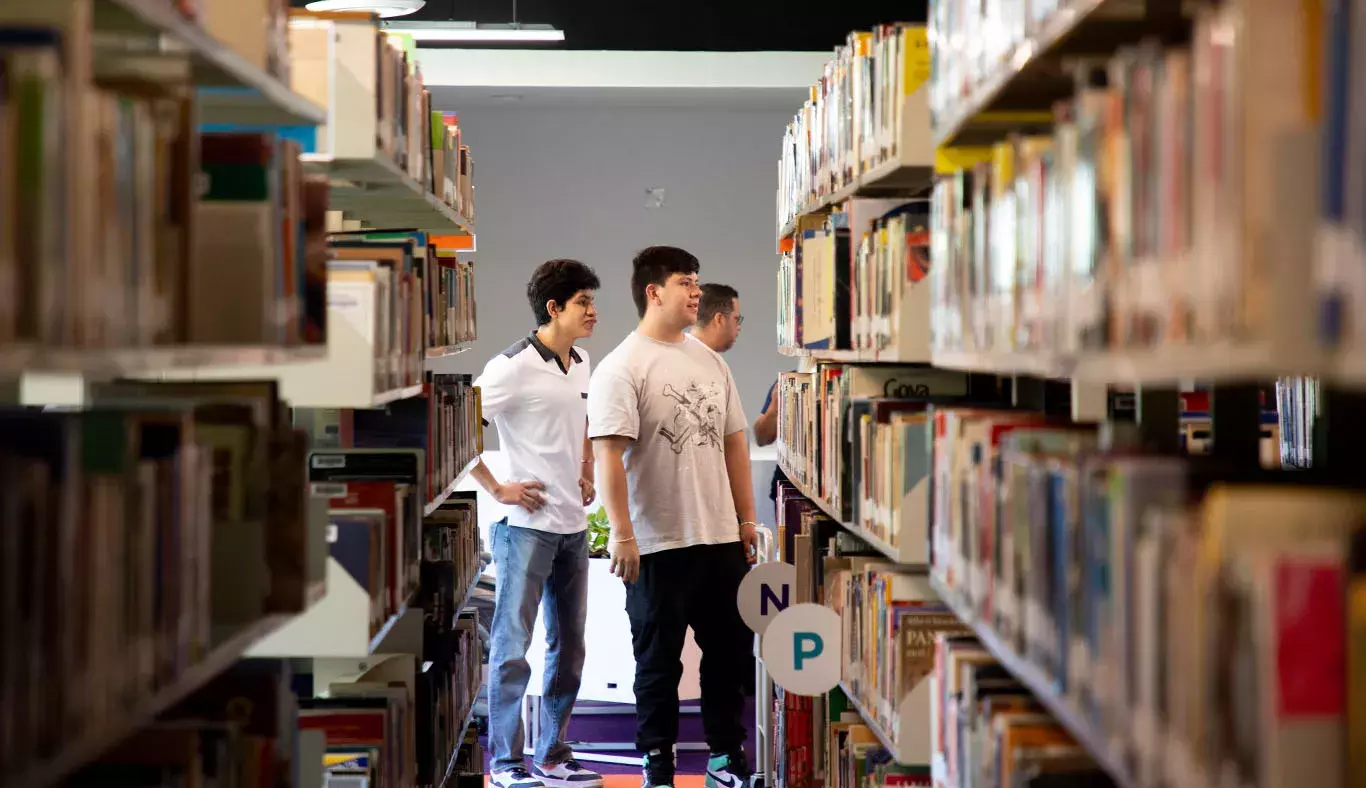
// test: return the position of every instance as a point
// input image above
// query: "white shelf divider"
(344, 378)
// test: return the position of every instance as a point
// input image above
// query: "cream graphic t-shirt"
(676, 402)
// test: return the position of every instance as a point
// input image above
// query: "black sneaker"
(659, 769)
(516, 777)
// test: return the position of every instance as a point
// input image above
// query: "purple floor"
(621, 728)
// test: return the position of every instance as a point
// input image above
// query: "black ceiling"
(699, 25)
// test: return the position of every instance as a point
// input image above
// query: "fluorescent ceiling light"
(470, 32)
(384, 8)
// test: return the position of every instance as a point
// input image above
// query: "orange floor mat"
(633, 781)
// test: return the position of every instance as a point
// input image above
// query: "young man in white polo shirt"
(535, 394)
(669, 433)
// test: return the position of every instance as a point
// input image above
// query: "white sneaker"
(516, 777)
(569, 774)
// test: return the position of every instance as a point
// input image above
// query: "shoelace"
(519, 773)
(573, 766)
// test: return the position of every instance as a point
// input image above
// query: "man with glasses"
(718, 317)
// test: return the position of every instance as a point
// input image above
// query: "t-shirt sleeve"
(735, 412)
(496, 387)
(768, 398)
(613, 403)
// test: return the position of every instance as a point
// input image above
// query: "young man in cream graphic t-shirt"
(673, 465)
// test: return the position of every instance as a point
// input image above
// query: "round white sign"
(767, 590)
(802, 649)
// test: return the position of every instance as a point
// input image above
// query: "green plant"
(599, 531)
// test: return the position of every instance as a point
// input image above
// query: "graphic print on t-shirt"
(695, 412)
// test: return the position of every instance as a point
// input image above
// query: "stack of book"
(375, 500)
(450, 687)
(369, 720)
(196, 490)
(1296, 409)
(1139, 589)
(452, 164)
(854, 437)
(251, 281)
(378, 107)
(857, 279)
(384, 287)
(989, 731)
(890, 618)
(855, 119)
(451, 564)
(207, 240)
(793, 749)
(858, 759)
(239, 729)
(1141, 222)
(453, 312)
(444, 423)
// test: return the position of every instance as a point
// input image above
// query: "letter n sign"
(766, 591)
(769, 597)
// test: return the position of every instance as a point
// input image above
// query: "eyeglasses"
(739, 320)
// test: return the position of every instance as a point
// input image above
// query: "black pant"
(692, 586)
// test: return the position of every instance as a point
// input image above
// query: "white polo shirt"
(540, 410)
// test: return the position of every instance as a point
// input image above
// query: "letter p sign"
(802, 651)
(805, 646)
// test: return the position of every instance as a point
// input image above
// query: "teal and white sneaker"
(729, 771)
(659, 769)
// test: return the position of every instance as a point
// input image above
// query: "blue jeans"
(534, 566)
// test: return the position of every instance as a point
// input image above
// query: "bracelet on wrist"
(749, 522)
(627, 539)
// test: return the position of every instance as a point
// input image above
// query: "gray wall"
(571, 181)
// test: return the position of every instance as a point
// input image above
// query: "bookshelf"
(198, 362)
(1089, 548)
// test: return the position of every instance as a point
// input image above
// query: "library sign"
(800, 644)
(766, 591)
(801, 649)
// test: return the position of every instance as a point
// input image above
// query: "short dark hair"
(558, 281)
(717, 299)
(654, 266)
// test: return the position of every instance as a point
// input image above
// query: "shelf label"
(766, 591)
(327, 489)
(802, 649)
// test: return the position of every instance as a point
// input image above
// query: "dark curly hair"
(558, 281)
(654, 266)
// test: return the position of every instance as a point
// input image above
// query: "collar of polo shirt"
(548, 355)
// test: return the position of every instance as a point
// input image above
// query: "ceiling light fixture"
(471, 32)
(383, 8)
